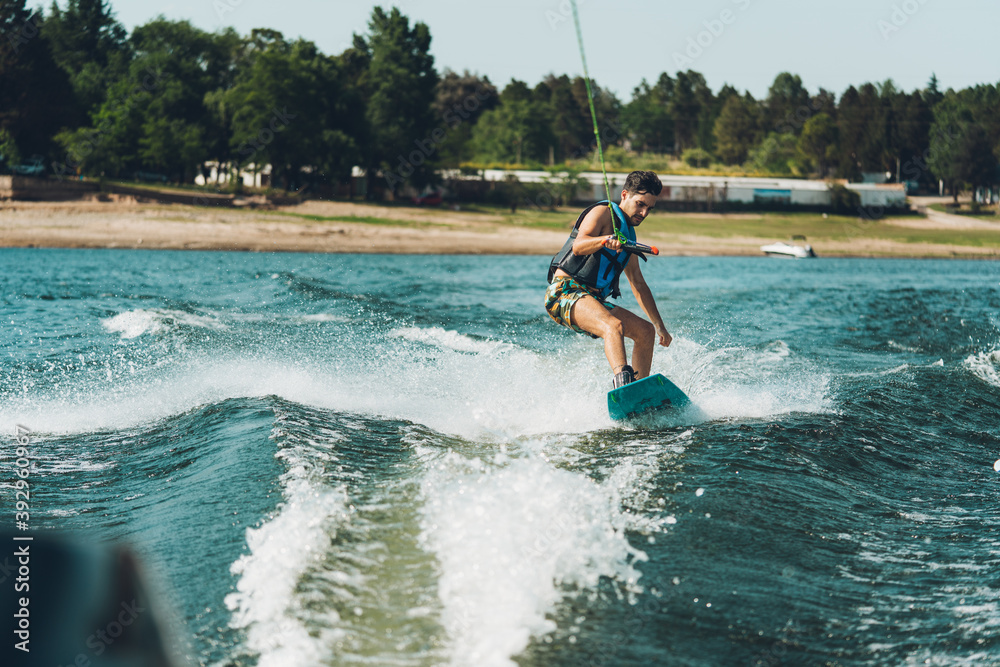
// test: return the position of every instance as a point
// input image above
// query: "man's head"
(639, 195)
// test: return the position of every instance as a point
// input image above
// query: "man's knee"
(645, 333)
(613, 328)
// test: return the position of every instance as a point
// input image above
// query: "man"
(586, 272)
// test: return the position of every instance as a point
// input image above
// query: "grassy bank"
(831, 235)
(988, 213)
(340, 227)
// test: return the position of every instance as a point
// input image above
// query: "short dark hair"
(643, 182)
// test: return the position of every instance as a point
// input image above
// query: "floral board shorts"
(562, 293)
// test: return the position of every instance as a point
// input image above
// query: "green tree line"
(78, 89)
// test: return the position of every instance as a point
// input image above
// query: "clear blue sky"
(830, 43)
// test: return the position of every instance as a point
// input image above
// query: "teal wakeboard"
(651, 395)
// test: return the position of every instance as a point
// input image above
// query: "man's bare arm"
(594, 233)
(645, 298)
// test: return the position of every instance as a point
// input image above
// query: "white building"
(252, 175)
(719, 189)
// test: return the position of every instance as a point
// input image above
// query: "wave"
(147, 395)
(477, 546)
(450, 340)
(281, 551)
(516, 536)
(446, 380)
(747, 382)
(323, 317)
(135, 323)
(902, 348)
(985, 366)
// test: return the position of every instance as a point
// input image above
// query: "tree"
(711, 108)
(698, 158)
(608, 109)
(777, 154)
(823, 102)
(178, 64)
(976, 159)
(34, 93)
(690, 107)
(932, 93)
(872, 148)
(818, 143)
(737, 129)
(984, 100)
(569, 122)
(960, 152)
(227, 48)
(647, 118)
(459, 101)
(850, 127)
(109, 145)
(400, 85)
(154, 118)
(864, 124)
(843, 201)
(566, 182)
(910, 142)
(512, 133)
(286, 111)
(91, 46)
(786, 98)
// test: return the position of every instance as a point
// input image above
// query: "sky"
(745, 43)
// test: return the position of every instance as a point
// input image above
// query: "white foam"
(738, 382)
(510, 537)
(903, 348)
(450, 340)
(457, 384)
(324, 317)
(280, 552)
(134, 323)
(985, 366)
(132, 399)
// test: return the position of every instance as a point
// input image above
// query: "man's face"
(637, 206)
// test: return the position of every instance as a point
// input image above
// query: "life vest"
(602, 269)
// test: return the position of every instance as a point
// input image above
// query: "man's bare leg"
(614, 326)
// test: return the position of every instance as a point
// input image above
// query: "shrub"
(698, 158)
(843, 200)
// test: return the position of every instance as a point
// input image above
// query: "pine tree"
(400, 86)
(34, 92)
(737, 129)
(91, 46)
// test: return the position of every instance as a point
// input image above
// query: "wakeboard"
(649, 396)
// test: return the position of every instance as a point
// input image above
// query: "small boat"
(782, 249)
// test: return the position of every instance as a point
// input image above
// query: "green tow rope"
(593, 116)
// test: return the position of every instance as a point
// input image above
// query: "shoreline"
(347, 227)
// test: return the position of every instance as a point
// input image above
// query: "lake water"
(400, 460)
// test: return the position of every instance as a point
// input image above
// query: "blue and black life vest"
(602, 269)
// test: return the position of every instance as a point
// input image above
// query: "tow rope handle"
(635, 247)
(640, 248)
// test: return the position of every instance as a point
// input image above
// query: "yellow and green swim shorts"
(562, 293)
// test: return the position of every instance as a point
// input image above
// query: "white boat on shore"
(782, 249)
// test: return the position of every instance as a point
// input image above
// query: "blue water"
(334, 459)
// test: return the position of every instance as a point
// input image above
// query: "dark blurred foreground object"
(88, 605)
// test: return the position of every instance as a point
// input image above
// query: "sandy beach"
(124, 223)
